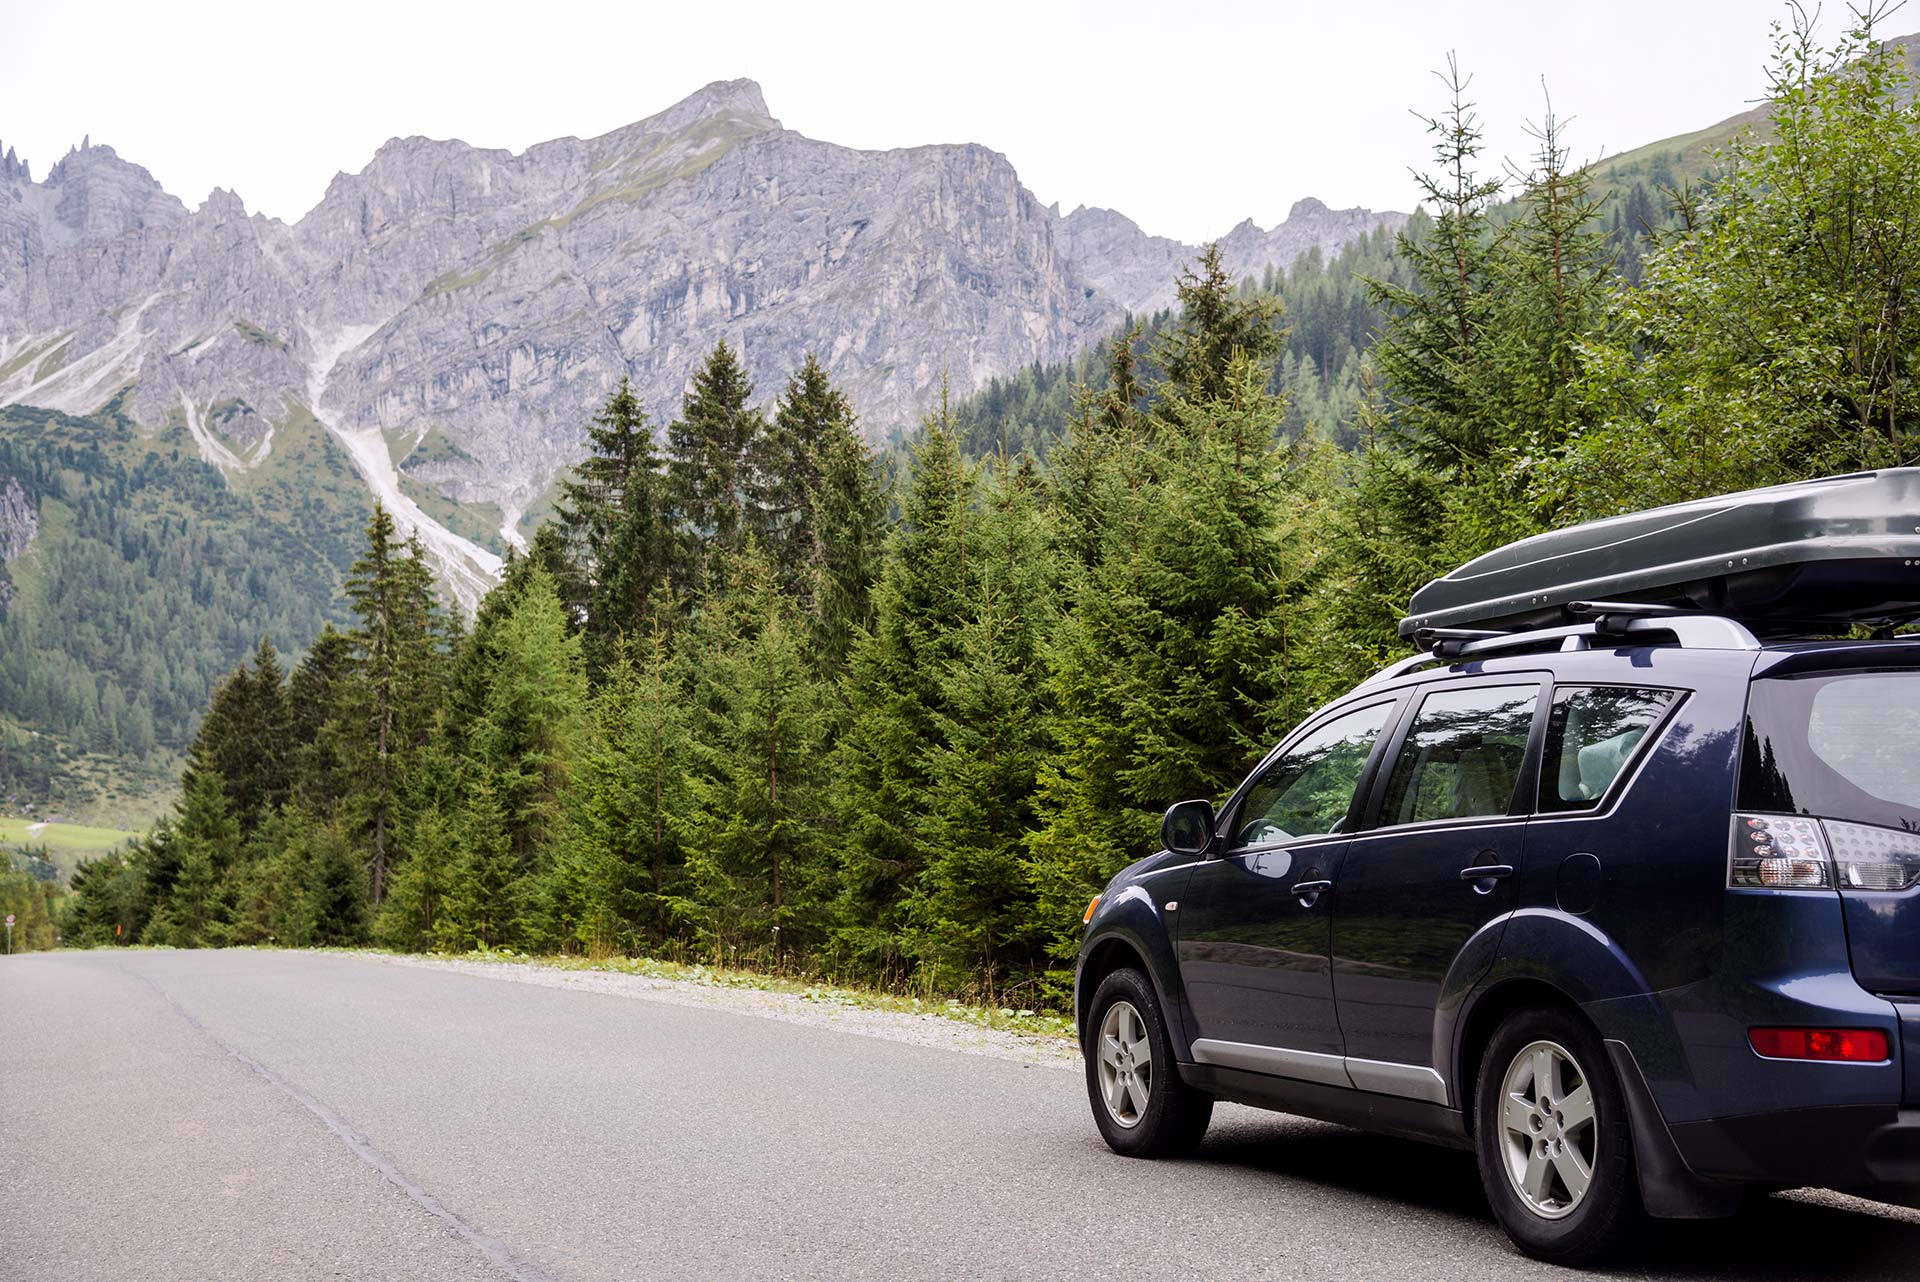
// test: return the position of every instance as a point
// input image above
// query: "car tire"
(1547, 1108)
(1140, 1104)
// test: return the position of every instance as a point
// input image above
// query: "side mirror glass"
(1187, 829)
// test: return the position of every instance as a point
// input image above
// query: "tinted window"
(1845, 746)
(1308, 789)
(1592, 733)
(1462, 757)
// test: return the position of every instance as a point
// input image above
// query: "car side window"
(1592, 733)
(1308, 790)
(1461, 758)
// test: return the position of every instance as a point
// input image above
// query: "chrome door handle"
(1309, 891)
(1486, 872)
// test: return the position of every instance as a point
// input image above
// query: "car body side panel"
(1463, 986)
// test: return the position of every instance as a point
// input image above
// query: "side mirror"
(1187, 828)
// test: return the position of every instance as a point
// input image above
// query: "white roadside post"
(9, 934)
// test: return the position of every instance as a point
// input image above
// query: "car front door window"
(1308, 790)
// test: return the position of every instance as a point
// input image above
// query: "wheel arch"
(1110, 953)
(1490, 1009)
(1133, 933)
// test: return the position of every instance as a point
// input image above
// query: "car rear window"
(1593, 732)
(1841, 746)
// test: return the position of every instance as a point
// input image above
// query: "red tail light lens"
(1834, 1045)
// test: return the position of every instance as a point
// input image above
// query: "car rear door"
(1434, 865)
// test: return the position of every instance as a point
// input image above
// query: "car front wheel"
(1140, 1104)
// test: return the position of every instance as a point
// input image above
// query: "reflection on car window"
(1308, 790)
(1841, 745)
(1462, 757)
(1591, 735)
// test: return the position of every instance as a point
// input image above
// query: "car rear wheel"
(1140, 1104)
(1556, 1152)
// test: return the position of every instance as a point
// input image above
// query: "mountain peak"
(1307, 207)
(718, 99)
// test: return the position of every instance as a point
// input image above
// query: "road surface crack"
(494, 1251)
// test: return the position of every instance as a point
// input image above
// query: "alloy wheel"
(1126, 1064)
(1547, 1133)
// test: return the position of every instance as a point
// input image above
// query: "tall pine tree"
(710, 449)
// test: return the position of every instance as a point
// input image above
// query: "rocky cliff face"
(19, 522)
(491, 299)
(1138, 271)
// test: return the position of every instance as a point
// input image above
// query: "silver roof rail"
(1691, 631)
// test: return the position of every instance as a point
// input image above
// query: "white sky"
(1187, 115)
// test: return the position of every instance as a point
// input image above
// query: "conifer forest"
(763, 694)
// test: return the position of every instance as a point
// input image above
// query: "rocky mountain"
(1139, 271)
(451, 314)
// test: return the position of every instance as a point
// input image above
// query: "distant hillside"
(1330, 318)
(145, 574)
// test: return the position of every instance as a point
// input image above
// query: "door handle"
(1484, 876)
(1308, 892)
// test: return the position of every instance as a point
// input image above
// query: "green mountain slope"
(150, 576)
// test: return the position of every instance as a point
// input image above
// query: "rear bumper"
(1869, 1149)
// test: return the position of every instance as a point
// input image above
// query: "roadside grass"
(1008, 1019)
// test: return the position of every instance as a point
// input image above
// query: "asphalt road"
(284, 1116)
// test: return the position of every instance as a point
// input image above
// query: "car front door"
(1434, 866)
(1253, 924)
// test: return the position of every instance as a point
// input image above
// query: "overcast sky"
(1187, 115)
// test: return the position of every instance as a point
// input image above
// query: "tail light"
(1868, 858)
(1779, 852)
(1788, 852)
(1831, 1045)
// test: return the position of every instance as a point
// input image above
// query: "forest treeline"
(725, 707)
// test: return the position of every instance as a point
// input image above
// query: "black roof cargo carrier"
(1838, 551)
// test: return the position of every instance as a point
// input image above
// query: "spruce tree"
(892, 692)
(619, 527)
(397, 661)
(1216, 321)
(471, 670)
(755, 830)
(1106, 434)
(244, 738)
(528, 733)
(315, 701)
(622, 865)
(1173, 670)
(336, 907)
(816, 506)
(848, 509)
(968, 912)
(1430, 349)
(205, 840)
(709, 452)
(485, 904)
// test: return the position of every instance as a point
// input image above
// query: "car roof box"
(1836, 551)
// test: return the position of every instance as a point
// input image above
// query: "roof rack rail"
(1689, 631)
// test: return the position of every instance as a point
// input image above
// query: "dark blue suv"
(1626, 905)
